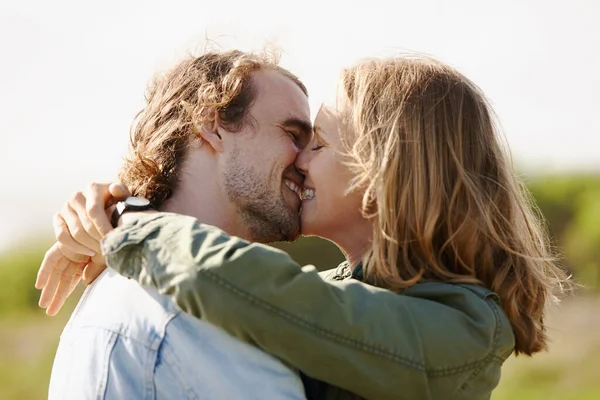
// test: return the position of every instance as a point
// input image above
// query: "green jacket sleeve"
(364, 339)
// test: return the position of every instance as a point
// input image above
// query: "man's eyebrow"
(304, 125)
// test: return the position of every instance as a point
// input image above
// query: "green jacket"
(434, 341)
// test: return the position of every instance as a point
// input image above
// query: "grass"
(569, 371)
(27, 347)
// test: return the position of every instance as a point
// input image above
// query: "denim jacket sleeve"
(434, 341)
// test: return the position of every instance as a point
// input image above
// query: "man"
(217, 140)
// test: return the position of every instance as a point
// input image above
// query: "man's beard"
(262, 209)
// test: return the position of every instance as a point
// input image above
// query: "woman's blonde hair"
(446, 202)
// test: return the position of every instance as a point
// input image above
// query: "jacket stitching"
(101, 390)
(121, 333)
(171, 361)
(343, 339)
(317, 329)
(491, 357)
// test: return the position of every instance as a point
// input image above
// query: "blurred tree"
(18, 270)
(571, 205)
(319, 252)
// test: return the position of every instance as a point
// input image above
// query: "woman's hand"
(79, 227)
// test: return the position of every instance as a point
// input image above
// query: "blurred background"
(73, 75)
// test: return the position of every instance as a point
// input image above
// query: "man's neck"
(209, 212)
(199, 195)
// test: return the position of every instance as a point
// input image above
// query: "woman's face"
(328, 210)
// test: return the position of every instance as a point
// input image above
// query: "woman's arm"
(367, 340)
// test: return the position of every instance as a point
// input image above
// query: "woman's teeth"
(307, 194)
(303, 194)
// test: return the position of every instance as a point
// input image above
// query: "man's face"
(259, 174)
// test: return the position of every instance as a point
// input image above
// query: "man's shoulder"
(121, 305)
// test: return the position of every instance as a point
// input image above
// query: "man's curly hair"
(177, 104)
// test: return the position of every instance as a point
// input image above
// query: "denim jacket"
(433, 341)
(127, 342)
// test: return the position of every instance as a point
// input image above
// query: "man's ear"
(209, 130)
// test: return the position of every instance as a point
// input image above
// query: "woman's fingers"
(92, 271)
(82, 230)
(52, 256)
(119, 191)
(79, 203)
(57, 277)
(52, 282)
(67, 245)
(78, 228)
(74, 283)
(98, 198)
(71, 273)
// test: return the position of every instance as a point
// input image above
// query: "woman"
(406, 175)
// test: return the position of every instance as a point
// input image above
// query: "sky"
(73, 75)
